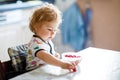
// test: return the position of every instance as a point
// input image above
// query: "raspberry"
(74, 70)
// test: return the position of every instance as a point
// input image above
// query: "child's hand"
(73, 70)
(71, 66)
(75, 63)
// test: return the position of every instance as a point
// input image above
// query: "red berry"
(74, 70)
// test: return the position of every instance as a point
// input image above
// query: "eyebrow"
(54, 27)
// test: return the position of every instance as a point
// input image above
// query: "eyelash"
(52, 30)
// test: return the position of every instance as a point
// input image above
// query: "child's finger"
(77, 62)
(73, 70)
(73, 63)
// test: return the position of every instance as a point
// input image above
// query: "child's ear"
(36, 27)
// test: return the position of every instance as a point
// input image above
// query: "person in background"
(44, 24)
(76, 25)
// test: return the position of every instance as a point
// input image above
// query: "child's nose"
(53, 32)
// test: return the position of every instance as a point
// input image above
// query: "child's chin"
(50, 38)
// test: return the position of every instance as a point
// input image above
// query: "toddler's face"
(47, 30)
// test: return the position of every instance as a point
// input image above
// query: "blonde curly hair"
(46, 13)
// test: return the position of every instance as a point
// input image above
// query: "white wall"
(13, 34)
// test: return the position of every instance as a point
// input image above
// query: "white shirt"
(36, 44)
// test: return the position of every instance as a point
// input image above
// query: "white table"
(96, 64)
(47, 72)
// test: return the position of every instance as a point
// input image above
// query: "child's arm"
(48, 58)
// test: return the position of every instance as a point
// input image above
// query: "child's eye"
(55, 30)
(50, 29)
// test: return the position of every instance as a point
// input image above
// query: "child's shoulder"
(37, 40)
